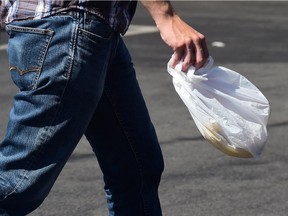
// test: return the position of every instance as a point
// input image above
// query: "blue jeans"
(75, 77)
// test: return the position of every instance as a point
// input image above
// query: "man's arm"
(186, 42)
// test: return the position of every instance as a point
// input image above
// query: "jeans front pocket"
(27, 49)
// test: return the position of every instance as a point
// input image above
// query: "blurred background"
(248, 37)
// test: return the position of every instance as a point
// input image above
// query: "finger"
(177, 56)
(205, 48)
(189, 58)
(202, 52)
(200, 59)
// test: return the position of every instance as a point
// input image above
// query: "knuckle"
(201, 36)
(188, 40)
(197, 40)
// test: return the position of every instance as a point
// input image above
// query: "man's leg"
(125, 143)
(60, 70)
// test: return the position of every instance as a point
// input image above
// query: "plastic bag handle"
(201, 71)
(192, 75)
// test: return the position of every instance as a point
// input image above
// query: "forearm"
(159, 10)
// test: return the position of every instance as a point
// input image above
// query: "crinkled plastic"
(229, 111)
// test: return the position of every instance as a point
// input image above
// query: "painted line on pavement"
(140, 29)
(3, 47)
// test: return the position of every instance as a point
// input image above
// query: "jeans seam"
(130, 141)
(72, 48)
(41, 60)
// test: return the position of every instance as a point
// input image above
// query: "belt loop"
(77, 14)
(81, 18)
(85, 15)
(84, 19)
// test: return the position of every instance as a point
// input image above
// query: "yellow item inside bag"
(213, 136)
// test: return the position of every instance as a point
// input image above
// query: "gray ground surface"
(198, 179)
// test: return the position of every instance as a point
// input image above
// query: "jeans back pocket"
(27, 49)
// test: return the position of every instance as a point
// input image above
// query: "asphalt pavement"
(251, 38)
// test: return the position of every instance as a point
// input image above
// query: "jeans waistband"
(80, 15)
(75, 13)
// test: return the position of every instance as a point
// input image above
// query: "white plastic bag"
(229, 111)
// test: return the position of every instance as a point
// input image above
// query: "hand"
(188, 44)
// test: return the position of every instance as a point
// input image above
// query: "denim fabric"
(75, 77)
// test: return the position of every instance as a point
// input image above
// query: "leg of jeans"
(125, 143)
(60, 70)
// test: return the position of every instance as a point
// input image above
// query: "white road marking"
(133, 30)
(140, 29)
(3, 47)
(219, 44)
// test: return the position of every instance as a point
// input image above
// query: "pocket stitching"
(96, 35)
(22, 72)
